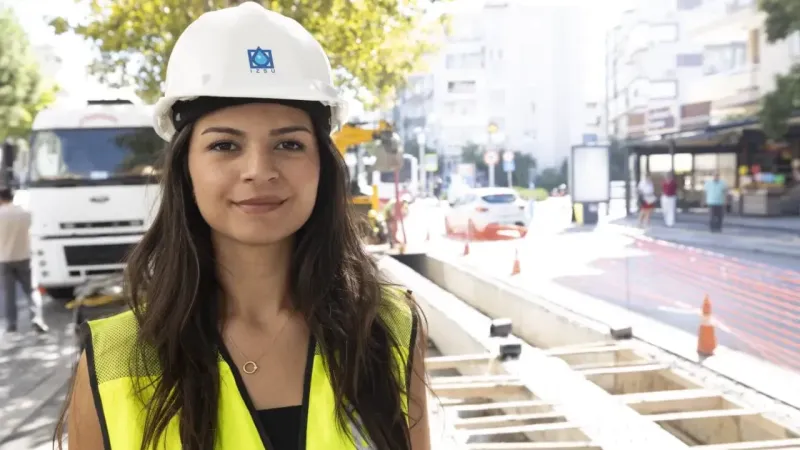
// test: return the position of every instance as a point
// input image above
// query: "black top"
(282, 425)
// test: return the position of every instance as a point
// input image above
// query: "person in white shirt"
(647, 195)
(15, 262)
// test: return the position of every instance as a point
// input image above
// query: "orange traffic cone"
(515, 269)
(706, 336)
(466, 248)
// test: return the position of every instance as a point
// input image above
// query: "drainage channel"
(596, 393)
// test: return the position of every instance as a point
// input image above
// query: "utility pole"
(491, 130)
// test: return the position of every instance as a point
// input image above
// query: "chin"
(261, 235)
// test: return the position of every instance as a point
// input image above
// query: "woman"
(258, 321)
(647, 194)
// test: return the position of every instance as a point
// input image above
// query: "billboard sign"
(590, 174)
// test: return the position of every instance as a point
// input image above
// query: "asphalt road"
(755, 297)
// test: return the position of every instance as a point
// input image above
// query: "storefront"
(764, 177)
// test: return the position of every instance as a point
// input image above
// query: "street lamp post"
(491, 130)
(423, 172)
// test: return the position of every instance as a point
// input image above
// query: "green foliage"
(22, 93)
(538, 194)
(782, 19)
(550, 179)
(376, 42)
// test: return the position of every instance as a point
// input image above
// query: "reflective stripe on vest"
(122, 416)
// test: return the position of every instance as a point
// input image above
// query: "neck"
(254, 279)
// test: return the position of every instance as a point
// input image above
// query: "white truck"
(91, 182)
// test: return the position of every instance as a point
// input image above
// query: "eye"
(222, 146)
(292, 146)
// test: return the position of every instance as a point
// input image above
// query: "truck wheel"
(63, 295)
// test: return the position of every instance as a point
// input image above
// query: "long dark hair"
(172, 269)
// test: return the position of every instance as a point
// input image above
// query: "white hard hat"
(247, 52)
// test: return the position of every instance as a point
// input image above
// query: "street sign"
(490, 158)
(508, 166)
(508, 155)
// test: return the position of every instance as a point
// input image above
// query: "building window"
(689, 60)
(667, 32)
(663, 89)
(461, 108)
(464, 61)
(684, 5)
(724, 58)
(461, 87)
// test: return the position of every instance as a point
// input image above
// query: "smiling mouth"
(259, 207)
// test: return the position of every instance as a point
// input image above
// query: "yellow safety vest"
(111, 344)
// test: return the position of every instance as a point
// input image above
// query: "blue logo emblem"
(261, 60)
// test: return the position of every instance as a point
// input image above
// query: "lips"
(260, 205)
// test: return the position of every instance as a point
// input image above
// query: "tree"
(374, 43)
(782, 19)
(22, 93)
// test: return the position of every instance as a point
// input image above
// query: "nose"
(259, 166)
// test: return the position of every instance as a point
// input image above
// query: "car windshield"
(499, 198)
(94, 153)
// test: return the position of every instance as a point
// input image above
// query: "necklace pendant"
(250, 367)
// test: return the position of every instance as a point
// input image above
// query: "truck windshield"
(94, 154)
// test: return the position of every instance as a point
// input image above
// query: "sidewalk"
(763, 224)
(731, 238)
(34, 370)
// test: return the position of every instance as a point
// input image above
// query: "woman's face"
(255, 170)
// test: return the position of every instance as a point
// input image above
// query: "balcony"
(729, 89)
(723, 21)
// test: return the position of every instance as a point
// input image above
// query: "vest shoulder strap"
(400, 316)
(111, 342)
(398, 313)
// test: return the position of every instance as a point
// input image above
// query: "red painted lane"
(763, 316)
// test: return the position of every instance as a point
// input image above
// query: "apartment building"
(739, 66)
(513, 67)
(651, 60)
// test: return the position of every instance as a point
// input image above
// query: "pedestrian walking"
(15, 270)
(669, 199)
(258, 320)
(716, 199)
(647, 200)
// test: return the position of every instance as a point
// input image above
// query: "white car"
(476, 209)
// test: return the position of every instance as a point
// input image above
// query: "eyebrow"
(275, 132)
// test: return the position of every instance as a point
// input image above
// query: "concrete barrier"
(457, 328)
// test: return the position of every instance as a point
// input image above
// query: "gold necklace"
(250, 366)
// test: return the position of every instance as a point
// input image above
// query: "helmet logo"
(260, 60)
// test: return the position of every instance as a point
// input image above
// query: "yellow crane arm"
(350, 135)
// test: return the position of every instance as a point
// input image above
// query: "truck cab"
(91, 182)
